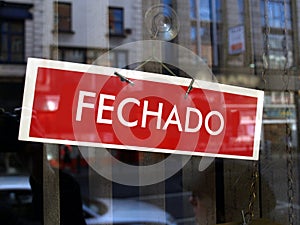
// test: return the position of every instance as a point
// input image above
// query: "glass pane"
(116, 21)
(205, 10)
(205, 32)
(194, 45)
(17, 44)
(288, 14)
(193, 9)
(16, 27)
(4, 26)
(118, 28)
(241, 10)
(63, 16)
(64, 24)
(112, 59)
(219, 10)
(193, 34)
(74, 55)
(3, 56)
(18, 58)
(64, 9)
(167, 2)
(277, 59)
(117, 15)
(4, 46)
(122, 59)
(278, 13)
(219, 194)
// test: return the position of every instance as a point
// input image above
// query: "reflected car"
(16, 195)
(124, 211)
(16, 201)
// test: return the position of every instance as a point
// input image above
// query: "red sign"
(89, 105)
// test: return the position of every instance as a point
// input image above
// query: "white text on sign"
(173, 117)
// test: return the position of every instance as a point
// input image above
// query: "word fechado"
(172, 118)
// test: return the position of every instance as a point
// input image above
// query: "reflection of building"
(253, 44)
(73, 32)
(19, 40)
(68, 30)
(82, 32)
(233, 36)
(246, 43)
(205, 26)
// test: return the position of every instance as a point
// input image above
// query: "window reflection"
(204, 25)
(276, 21)
(206, 29)
(116, 21)
(278, 13)
(277, 56)
(12, 41)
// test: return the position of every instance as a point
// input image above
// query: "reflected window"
(205, 33)
(72, 55)
(12, 41)
(276, 17)
(205, 18)
(118, 59)
(276, 53)
(278, 13)
(193, 38)
(218, 10)
(193, 9)
(116, 21)
(241, 6)
(63, 16)
(203, 10)
(167, 2)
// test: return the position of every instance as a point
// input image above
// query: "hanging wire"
(248, 217)
(266, 65)
(284, 23)
(265, 56)
(253, 195)
(287, 93)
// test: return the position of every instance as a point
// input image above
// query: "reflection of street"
(18, 197)
(68, 158)
(173, 200)
(171, 197)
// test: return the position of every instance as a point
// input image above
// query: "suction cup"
(161, 22)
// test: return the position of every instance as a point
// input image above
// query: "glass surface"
(16, 28)
(4, 26)
(205, 10)
(117, 15)
(12, 42)
(278, 14)
(145, 172)
(193, 9)
(116, 18)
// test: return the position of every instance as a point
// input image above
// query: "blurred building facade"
(237, 39)
(253, 43)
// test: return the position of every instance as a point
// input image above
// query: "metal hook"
(189, 88)
(122, 78)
